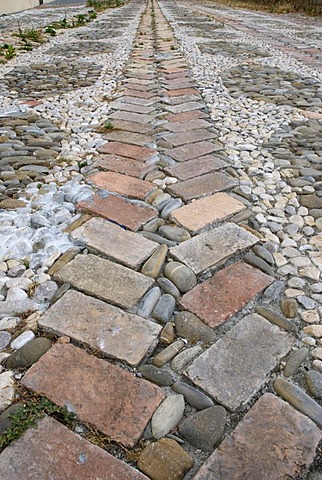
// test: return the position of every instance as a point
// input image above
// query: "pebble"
(22, 339)
(313, 382)
(289, 307)
(317, 353)
(182, 277)
(273, 292)
(183, 359)
(167, 415)
(7, 323)
(299, 399)
(167, 334)
(168, 287)
(205, 429)
(310, 316)
(313, 330)
(257, 262)
(148, 302)
(170, 207)
(153, 225)
(194, 397)
(5, 339)
(29, 353)
(168, 353)
(306, 302)
(7, 391)
(159, 376)
(309, 341)
(164, 309)
(5, 416)
(153, 266)
(317, 365)
(176, 234)
(276, 319)
(263, 253)
(295, 361)
(193, 329)
(157, 238)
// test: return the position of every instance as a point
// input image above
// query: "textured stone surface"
(53, 452)
(113, 400)
(29, 353)
(272, 442)
(104, 279)
(192, 328)
(127, 150)
(204, 429)
(225, 293)
(119, 210)
(189, 151)
(115, 243)
(101, 326)
(200, 186)
(195, 167)
(123, 184)
(165, 460)
(226, 370)
(206, 211)
(127, 166)
(208, 249)
(167, 415)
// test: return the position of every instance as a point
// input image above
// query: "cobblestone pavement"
(160, 243)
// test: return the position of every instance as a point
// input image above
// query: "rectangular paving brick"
(177, 85)
(225, 293)
(138, 93)
(105, 280)
(119, 210)
(186, 116)
(237, 365)
(144, 102)
(176, 127)
(128, 137)
(129, 151)
(206, 211)
(184, 107)
(122, 184)
(273, 441)
(196, 167)
(118, 164)
(115, 243)
(130, 107)
(132, 126)
(193, 136)
(101, 326)
(131, 117)
(182, 91)
(214, 247)
(53, 452)
(203, 185)
(111, 399)
(191, 150)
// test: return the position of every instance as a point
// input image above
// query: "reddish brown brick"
(225, 293)
(127, 150)
(182, 91)
(130, 107)
(128, 137)
(177, 127)
(186, 116)
(122, 184)
(138, 93)
(118, 210)
(273, 441)
(191, 150)
(111, 399)
(196, 167)
(53, 452)
(183, 138)
(200, 186)
(114, 163)
(184, 107)
(132, 126)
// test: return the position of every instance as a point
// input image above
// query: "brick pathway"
(128, 344)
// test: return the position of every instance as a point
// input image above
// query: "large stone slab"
(191, 150)
(204, 185)
(225, 293)
(123, 184)
(101, 326)
(111, 399)
(206, 211)
(195, 167)
(210, 248)
(53, 452)
(127, 166)
(115, 243)
(236, 366)
(193, 136)
(273, 441)
(105, 280)
(118, 210)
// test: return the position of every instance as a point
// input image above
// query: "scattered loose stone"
(314, 330)
(7, 390)
(167, 415)
(295, 361)
(183, 278)
(176, 234)
(161, 377)
(276, 319)
(153, 266)
(5, 339)
(193, 329)
(165, 460)
(299, 399)
(23, 339)
(194, 397)
(148, 302)
(313, 381)
(183, 359)
(164, 309)
(29, 353)
(289, 307)
(310, 316)
(168, 287)
(167, 334)
(5, 417)
(204, 429)
(259, 263)
(168, 353)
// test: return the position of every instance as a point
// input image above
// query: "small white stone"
(313, 330)
(293, 292)
(280, 261)
(7, 323)
(7, 390)
(317, 365)
(309, 341)
(317, 353)
(310, 272)
(310, 316)
(22, 339)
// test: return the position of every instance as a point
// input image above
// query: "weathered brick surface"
(228, 372)
(189, 151)
(118, 164)
(196, 167)
(111, 399)
(53, 452)
(272, 442)
(101, 326)
(122, 184)
(203, 185)
(127, 150)
(225, 293)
